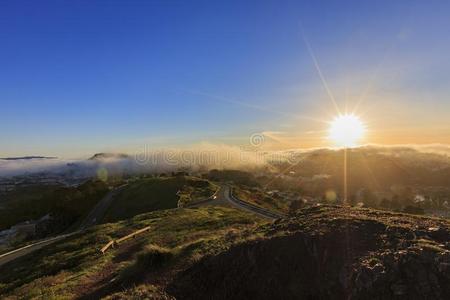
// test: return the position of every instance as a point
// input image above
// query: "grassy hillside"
(324, 252)
(74, 267)
(260, 199)
(25, 203)
(328, 252)
(65, 204)
(151, 194)
(196, 190)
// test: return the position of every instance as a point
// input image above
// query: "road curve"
(244, 205)
(225, 196)
(92, 218)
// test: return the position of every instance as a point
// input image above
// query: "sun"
(346, 130)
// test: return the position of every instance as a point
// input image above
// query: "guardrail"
(113, 243)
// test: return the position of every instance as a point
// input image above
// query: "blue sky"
(78, 77)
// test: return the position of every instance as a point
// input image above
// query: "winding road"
(224, 196)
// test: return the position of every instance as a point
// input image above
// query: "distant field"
(148, 195)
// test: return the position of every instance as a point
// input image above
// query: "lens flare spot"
(330, 196)
(102, 174)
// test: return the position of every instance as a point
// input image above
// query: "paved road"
(224, 196)
(265, 213)
(93, 217)
(9, 256)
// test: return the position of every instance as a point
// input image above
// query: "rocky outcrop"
(329, 252)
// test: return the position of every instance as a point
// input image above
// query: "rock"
(329, 252)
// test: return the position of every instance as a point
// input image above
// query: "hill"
(102, 156)
(150, 194)
(65, 205)
(375, 168)
(74, 268)
(327, 252)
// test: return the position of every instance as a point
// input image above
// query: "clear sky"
(78, 77)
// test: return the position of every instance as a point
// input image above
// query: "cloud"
(199, 157)
(435, 148)
(20, 166)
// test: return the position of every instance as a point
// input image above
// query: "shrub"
(153, 256)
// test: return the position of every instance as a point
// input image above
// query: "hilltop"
(222, 253)
(101, 156)
(329, 252)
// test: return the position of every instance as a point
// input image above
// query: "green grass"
(143, 196)
(17, 206)
(151, 258)
(260, 199)
(144, 291)
(65, 204)
(62, 268)
(151, 194)
(196, 190)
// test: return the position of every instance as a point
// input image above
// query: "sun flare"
(346, 130)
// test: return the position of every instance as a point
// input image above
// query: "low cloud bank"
(29, 165)
(440, 149)
(201, 157)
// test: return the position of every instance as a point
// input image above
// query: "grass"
(430, 245)
(16, 204)
(144, 291)
(65, 268)
(177, 238)
(196, 190)
(151, 194)
(143, 196)
(150, 258)
(66, 204)
(260, 199)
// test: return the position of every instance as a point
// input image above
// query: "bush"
(151, 258)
